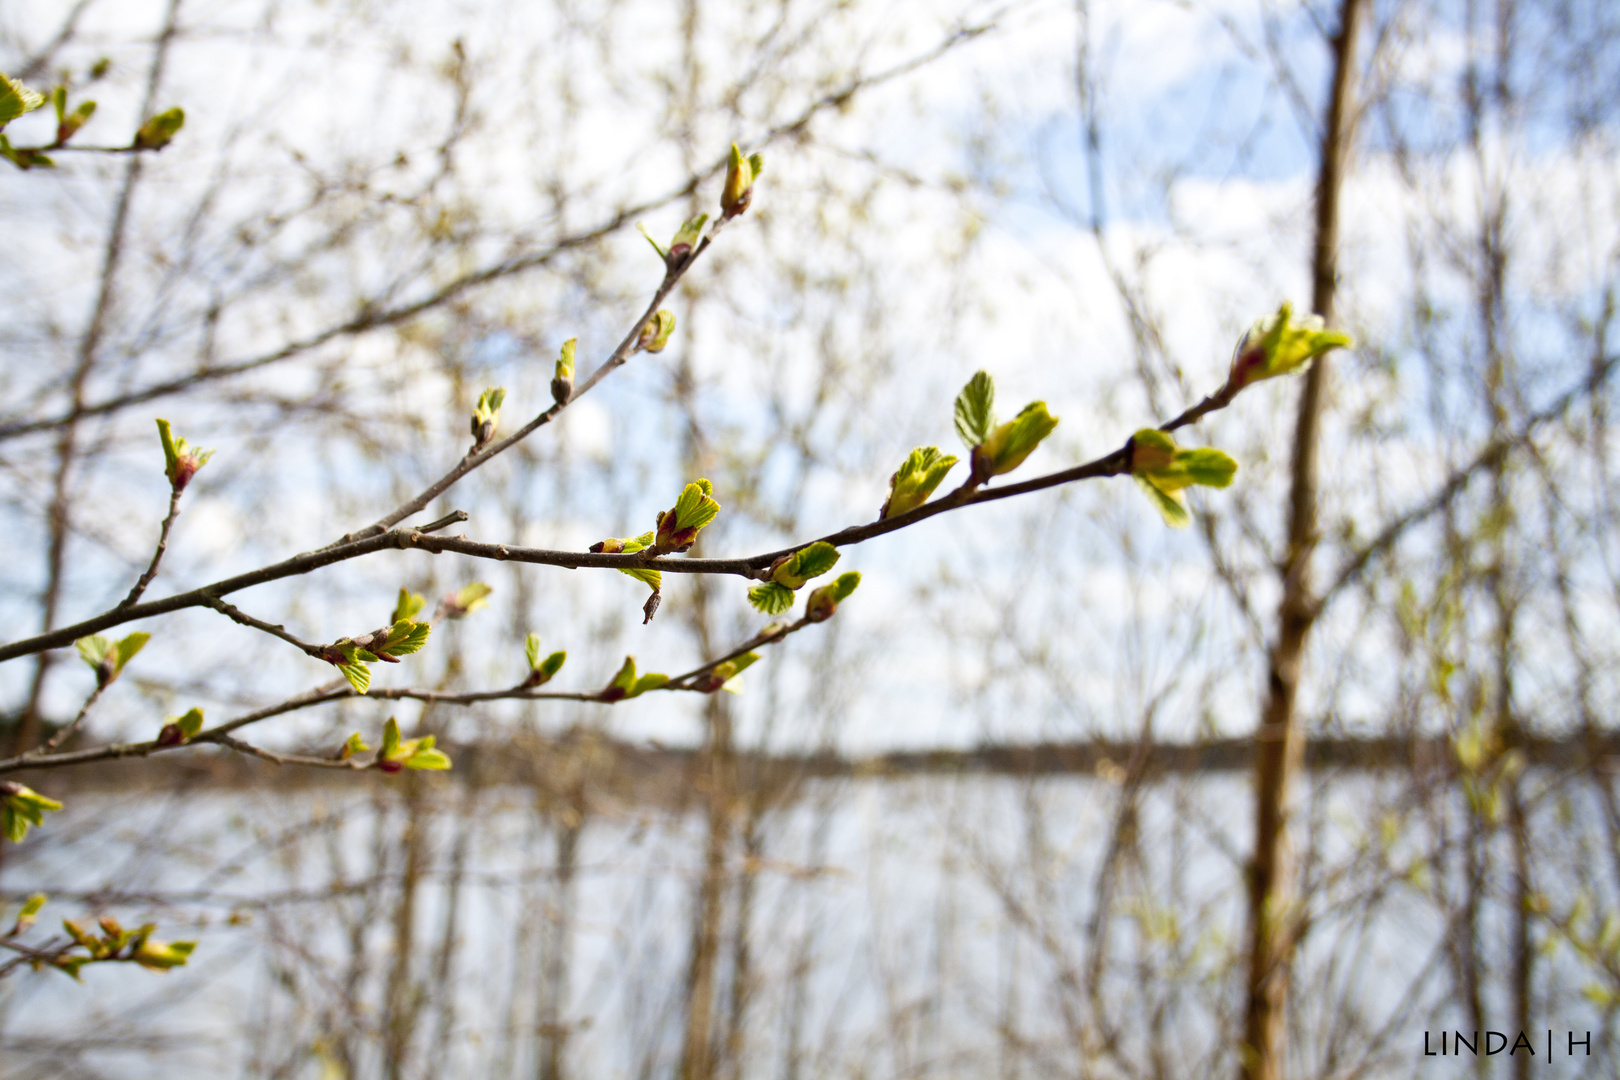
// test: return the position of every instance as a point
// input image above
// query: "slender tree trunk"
(1280, 742)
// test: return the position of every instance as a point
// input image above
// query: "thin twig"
(65, 733)
(236, 614)
(157, 555)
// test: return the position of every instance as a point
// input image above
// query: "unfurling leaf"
(655, 335)
(1279, 346)
(180, 459)
(626, 685)
(351, 746)
(408, 606)
(916, 479)
(106, 657)
(160, 130)
(1164, 470)
(825, 600)
(162, 955)
(69, 125)
(806, 563)
(178, 730)
(531, 650)
(541, 671)
(722, 676)
(463, 602)
(562, 382)
(678, 527)
(29, 913)
(20, 807)
(771, 598)
(741, 172)
(16, 99)
(1010, 443)
(976, 409)
(486, 417)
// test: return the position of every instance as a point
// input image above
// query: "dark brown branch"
(236, 614)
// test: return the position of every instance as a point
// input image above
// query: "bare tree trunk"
(1279, 742)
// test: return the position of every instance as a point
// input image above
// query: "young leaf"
(181, 460)
(655, 335)
(806, 563)
(358, 674)
(771, 598)
(650, 681)
(486, 417)
(975, 409)
(390, 743)
(678, 527)
(1279, 346)
(562, 382)
(163, 955)
(531, 651)
(623, 681)
(351, 746)
(465, 600)
(406, 637)
(20, 807)
(1164, 470)
(825, 600)
(16, 99)
(915, 480)
(160, 130)
(1010, 443)
(553, 663)
(408, 606)
(741, 172)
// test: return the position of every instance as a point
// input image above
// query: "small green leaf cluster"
(408, 606)
(15, 100)
(915, 480)
(1280, 346)
(1164, 470)
(541, 671)
(997, 448)
(723, 676)
(115, 944)
(738, 192)
(107, 657)
(486, 417)
(626, 685)
(789, 573)
(352, 655)
(179, 730)
(20, 807)
(397, 754)
(180, 459)
(562, 381)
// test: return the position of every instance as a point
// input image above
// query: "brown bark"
(1279, 743)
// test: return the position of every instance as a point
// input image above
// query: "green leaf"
(390, 743)
(625, 679)
(351, 746)
(160, 130)
(94, 649)
(1165, 469)
(466, 600)
(553, 663)
(16, 99)
(565, 361)
(806, 563)
(771, 598)
(650, 681)
(825, 600)
(1280, 346)
(655, 335)
(31, 908)
(975, 409)
(358, 674)
(406, 637)
(129, 646)
(428, 759)
(697, 506)
(531, 651)
(663, 252)
(915, 480)
(191, 723)
(653, 579)
(163, 955)
(181, 460)
(21, 807)
(408, 606)
(1170, 504)
(1012, 442)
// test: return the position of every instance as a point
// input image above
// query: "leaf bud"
(678, 527)
(160, 130)
(1280, 346)
(825, 600)
(741, 172)
(655, 335)
(486, 417)
(562, 383)
(180, 459)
